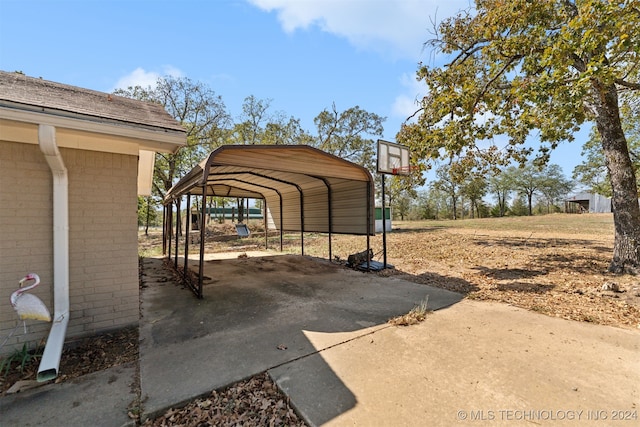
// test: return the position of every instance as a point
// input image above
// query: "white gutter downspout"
(50, 361)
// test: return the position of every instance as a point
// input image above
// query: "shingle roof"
(56, 98)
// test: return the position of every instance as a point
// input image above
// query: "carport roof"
(305, 188)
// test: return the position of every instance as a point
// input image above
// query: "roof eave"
(148, 137)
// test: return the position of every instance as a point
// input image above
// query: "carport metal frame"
(201, 180)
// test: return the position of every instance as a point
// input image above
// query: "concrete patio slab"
(474, 363)
(99, 399)
(254, 316)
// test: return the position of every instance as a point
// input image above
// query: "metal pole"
(384, 225)
(175, 263)
(301, 221)
(281, 223)
(329, 213)
(164, 229)
(368, 225)
(169, 228)
(266, 224)
(187, 233)
(330, 223)
(202, 236)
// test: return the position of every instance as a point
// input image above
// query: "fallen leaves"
(84, 356)
(558, 274)
(254, 402)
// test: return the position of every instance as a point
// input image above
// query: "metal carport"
(304, 189)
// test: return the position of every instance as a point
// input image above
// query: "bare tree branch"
(629, 85)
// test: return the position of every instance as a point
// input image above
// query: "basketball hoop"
(404, 170)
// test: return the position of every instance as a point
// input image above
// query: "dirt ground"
(556, 266)
(561, 276)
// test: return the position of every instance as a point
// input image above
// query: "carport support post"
(202, 236)
(281, 223)
(384, 225)
(168, 227)
(187, 233)
(164, 229)
(301, 220)
(329, 214)
(368, 225)
(175, 263)
(266, 224)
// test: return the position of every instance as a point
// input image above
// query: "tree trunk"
(502, 203)
(455, 216)
(626, 212)
(146, 226)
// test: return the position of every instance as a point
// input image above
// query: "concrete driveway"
(256, 315)
(320, 332)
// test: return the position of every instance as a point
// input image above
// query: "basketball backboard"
(393, 158)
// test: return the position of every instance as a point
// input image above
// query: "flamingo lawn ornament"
(29, 306)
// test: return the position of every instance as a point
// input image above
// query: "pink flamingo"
(29, 306)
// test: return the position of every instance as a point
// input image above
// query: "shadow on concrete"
(255, 317)
(435, 280)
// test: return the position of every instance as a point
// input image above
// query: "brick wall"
(102, 238)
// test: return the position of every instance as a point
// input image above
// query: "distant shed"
(588, 202)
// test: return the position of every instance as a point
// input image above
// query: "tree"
(554, 186)
(250, 129)
(526, 181)
(402, 206)
(430, 203)
(530, 180)
(500, 184)
(519, 206)
(592, 172)
(147, 213)
(344, 134)
(198, 109)
(257, 125)
(446, 184)
(285, 130)
(536, 66)
(474, 188)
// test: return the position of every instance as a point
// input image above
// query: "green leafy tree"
(530, 180)
(434, 204)
(402, 207)
(147, 213)
(592, 172)
(545, 67)
(344, 134)
(519, 206)
(250, 129)
(199, 110)
(474, 189)
(554, 186)
(501, 186)
(285, 130)
(448, 185)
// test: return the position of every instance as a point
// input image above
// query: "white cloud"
(407, 103)
(141, 77)
(397, 27)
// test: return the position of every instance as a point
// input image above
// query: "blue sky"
(303, 55)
